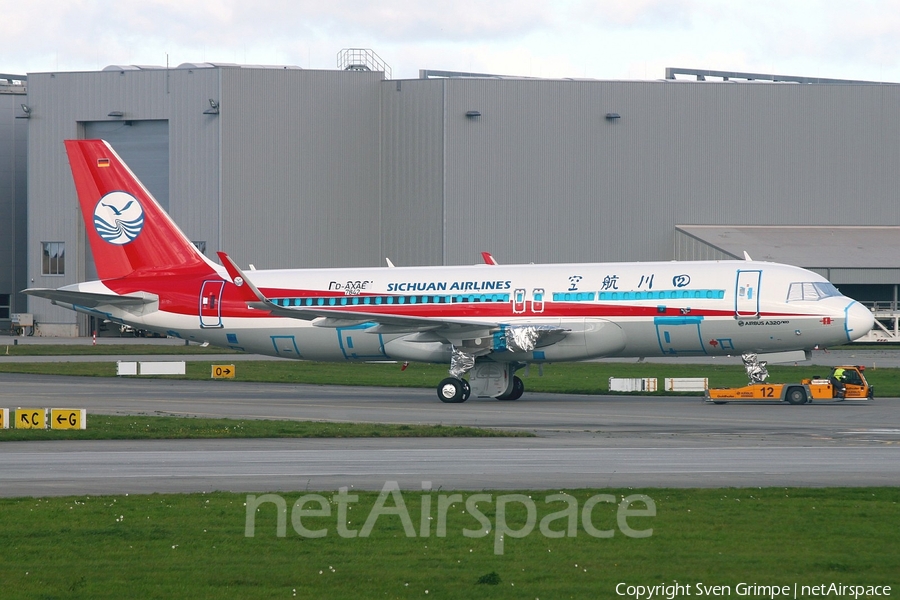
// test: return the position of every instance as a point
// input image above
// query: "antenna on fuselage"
(747, 257)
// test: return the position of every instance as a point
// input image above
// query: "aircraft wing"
(331, 317)
(386, 323)
(452, 329)
(92, 299)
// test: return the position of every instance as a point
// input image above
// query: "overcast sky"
(602, 39)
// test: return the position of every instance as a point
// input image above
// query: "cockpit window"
(810, 291)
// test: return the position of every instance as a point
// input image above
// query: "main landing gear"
(516, 390)
(453, 390)
(487, 378)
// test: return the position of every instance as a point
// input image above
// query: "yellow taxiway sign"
(68, 418)
(222, 372)
(31, 418)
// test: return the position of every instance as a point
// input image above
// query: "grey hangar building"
(287, 167)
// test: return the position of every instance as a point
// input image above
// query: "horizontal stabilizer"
(92, 299)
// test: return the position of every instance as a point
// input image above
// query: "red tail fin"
(128, 231)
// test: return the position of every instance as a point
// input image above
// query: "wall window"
(53, 258)
(201, 246)
(4, 306)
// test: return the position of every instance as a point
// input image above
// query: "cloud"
(632, 14)
(864, 32)
(565, 38)
(390, 20)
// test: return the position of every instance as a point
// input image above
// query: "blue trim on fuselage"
(847, 320)
(351, 355)
(329, 301)
(677, 320)
(665, 338)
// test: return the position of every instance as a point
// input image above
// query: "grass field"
(578, 378)
(7, 348)
(570, 378)
(107, 427)
(195, 546)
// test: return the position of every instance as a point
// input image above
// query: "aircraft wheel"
(518, 388)
(796, 395)
(453, 391)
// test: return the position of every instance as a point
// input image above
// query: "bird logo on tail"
(118, 218)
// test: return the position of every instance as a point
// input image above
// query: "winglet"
(488, 259)
(248, 291)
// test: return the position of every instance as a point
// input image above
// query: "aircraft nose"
(859, 320)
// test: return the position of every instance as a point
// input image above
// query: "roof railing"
(362, 59)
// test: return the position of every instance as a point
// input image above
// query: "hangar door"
(144, 146)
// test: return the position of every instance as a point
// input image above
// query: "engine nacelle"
(405, 349)
(587, 338)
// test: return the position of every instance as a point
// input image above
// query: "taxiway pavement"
(583, 441)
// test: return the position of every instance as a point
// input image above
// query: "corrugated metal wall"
(862, 276)
(301, 167)
(539, 176)
(13, 145)
(61, 103)
(687, 247)
(542, 175)
(412, 192)
(334, 168)
(194, 154)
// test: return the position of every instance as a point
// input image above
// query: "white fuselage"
(608, 309)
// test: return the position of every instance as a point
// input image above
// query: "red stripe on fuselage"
(179, 293)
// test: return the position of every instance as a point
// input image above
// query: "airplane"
(486, 321)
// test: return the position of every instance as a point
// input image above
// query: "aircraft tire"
(796, 395)
(453, 391)
(518, 388)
